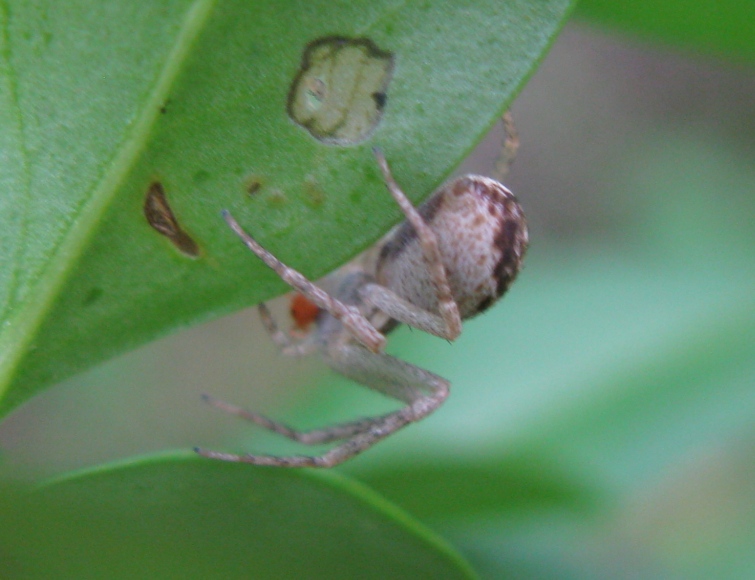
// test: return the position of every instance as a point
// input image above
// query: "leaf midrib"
(19, 330)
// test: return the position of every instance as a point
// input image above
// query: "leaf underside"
(102, 104)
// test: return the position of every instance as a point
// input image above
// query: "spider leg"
(509, 148)
(287, 347)
(447, 306)
(349, 315)
(313, 437)
(422, 390)
(402, 310)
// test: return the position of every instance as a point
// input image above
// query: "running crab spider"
(451, 259)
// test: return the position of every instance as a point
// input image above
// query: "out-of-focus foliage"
(178, 516)
(722, 27)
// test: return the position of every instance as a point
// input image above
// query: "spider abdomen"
(482, 237)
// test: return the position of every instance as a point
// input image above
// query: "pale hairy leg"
(423, 391)
(449, 311)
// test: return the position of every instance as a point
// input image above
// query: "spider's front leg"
(349, 315)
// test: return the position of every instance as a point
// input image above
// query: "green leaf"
(720, 27)
(102, 104)
(179, 516)
(504, 485)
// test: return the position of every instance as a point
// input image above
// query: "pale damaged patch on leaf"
(341, 90)
(160, 217)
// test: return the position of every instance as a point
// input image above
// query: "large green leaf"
(99, 102)
(174, 516)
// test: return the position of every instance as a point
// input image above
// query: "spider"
(451, 259)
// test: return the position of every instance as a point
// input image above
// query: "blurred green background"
(601, 419)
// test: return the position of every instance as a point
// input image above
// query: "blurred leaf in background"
(130, 520)
(720, 27)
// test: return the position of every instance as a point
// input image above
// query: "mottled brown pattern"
(511, 240)
(482, 236)
(486, 303)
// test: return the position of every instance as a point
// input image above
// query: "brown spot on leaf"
(314, 191)
(160, 216)
(253, 186)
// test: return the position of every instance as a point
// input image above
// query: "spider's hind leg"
(312, 437)
(422, 390)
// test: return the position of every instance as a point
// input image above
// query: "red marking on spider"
(303, 311)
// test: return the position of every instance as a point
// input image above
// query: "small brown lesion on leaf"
(164, 107)
(252, 185)
(314, 191)
(160, 216)
(341, 89)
